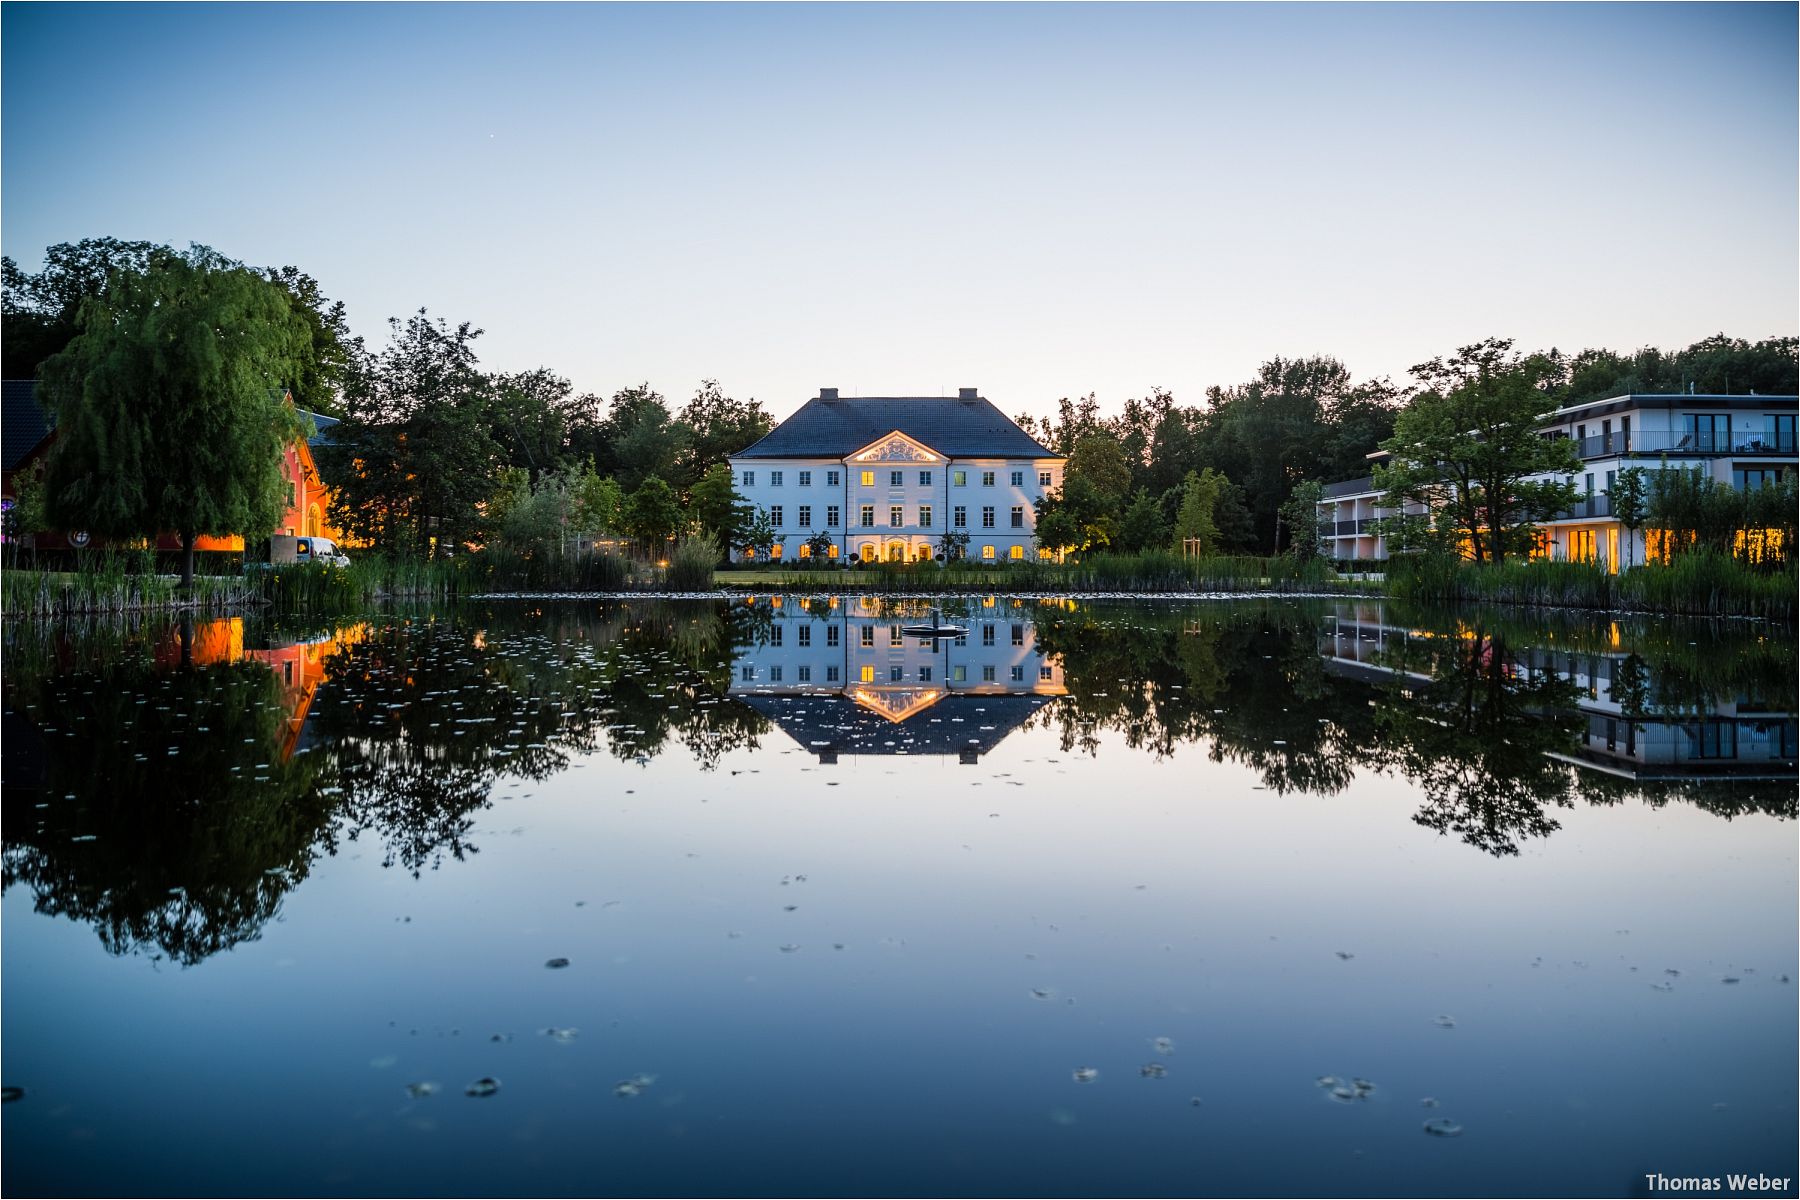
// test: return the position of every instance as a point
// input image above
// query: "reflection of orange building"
(298, 666)
(29, 434)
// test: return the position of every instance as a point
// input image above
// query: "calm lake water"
(769, 898)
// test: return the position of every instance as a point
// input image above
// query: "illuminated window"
(868, 479)
(958, 673)
(775, 552)
(1017, 552)
(868, 674)
(1581, 545)
(805, 550)
(834, 550)
(987, 552)
(868, 548)
(749, 552)
(959, 478)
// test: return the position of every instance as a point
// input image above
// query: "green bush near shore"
(1699, 583)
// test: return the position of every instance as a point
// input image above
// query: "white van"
(286, 548)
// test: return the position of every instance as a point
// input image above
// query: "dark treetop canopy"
(828, 427)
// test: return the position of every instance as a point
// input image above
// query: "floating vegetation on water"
(557, 964)
(384, 1062)
(483, 1087)
(1428, 1102)
(562, 1035)
(634, 1086)
(1731, 979)
(1163, 1045)
(418, 1091)
(1347, 1093)
(1443, 1127)
(1153, 1070)
(789, 947)
(1043, 993)
(1444, 1022)
(1345, 955)
(1196, 1101)
(1086, 1074)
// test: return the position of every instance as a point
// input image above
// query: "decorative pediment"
(896, 704)
(896, 447)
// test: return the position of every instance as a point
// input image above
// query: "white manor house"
(885, 477)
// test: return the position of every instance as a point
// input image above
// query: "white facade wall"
(925, 481)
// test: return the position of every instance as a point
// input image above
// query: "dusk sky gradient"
(1036, 200)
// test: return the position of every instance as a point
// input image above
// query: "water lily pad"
(1443, 1127)
(483, 1087)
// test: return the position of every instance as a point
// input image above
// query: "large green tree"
(718, 509)
(168, 403)
(1468, 448)
(415, 455)
(715, 425)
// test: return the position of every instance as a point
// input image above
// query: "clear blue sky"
(1039, 201)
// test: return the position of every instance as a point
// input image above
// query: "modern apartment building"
(883, 477)
(1743, 441)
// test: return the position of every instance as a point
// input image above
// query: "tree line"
(159, 367)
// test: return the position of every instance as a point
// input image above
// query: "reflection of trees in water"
(186, 855)
(1476, 739)
(1466, 719)
(178, 855)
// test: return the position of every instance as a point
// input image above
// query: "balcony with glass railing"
(1702, 441)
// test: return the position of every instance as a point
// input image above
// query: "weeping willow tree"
(168, 404)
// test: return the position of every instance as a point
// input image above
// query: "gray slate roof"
(960, 723)
(23, 424)
(955, 428)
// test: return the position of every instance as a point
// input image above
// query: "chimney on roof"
(967, 393)
(828, 393)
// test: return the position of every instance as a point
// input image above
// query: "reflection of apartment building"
(841, 676)
(1743, 441)
(884, 478)
(1743, 737)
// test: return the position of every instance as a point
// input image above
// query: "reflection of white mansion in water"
(840, 677)
(1738, 737)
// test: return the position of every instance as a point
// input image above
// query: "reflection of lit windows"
(868, 479)
(803, 673)
(894, 674)
(1018, 674)
(987, 674)
(868, 674)
(831, 674)
(958, 673)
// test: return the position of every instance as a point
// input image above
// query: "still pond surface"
(766, 897)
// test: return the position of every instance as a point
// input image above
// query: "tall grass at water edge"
(1699, 583)
(1147, 573)
(111, 583)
